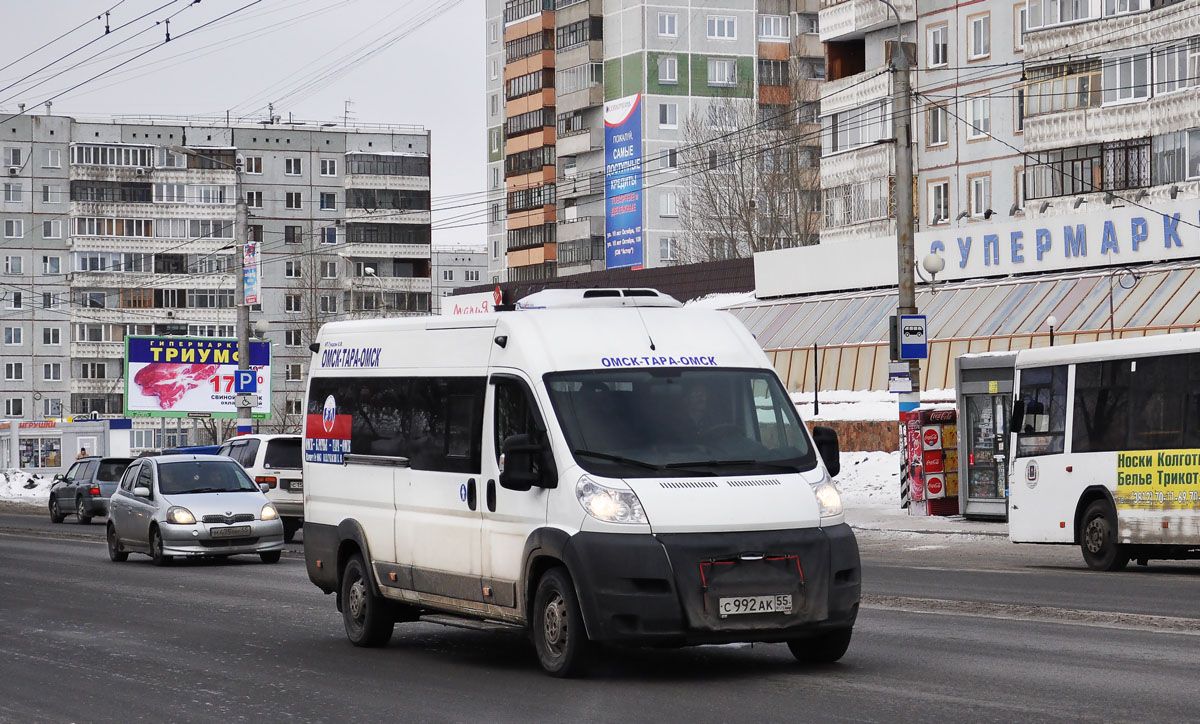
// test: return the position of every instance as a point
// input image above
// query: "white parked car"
(274, 460)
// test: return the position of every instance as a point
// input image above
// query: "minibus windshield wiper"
(617, 459)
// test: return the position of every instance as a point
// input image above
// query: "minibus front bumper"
(690, 588)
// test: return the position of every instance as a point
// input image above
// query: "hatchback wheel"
(156, 549)
(115, 553)
(56, 515)
(81, 512)
(269, 556)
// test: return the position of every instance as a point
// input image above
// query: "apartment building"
(967, 121)
(1112, 105)
(455, 267)
(115, 228)
(702, 70)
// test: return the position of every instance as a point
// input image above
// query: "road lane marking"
(1032, 613)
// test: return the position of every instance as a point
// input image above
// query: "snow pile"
(870, 479)
(862, 405)
(22, 486)
(721, 301)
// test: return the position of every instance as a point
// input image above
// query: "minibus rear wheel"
(1098, 538)
(559, 636)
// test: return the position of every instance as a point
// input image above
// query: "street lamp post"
(370, 271)
(1052, 322)
(241, 222)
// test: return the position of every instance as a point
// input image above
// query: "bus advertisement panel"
(1158, 480)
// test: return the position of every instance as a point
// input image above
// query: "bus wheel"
(1098, 538)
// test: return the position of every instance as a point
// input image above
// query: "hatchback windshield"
(283, 453)
(203, 476)
(659, 422)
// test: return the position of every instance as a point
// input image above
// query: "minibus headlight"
(180, 516)
(609, 504)
(829, 500)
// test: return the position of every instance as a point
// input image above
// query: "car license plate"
(779, 603)
(296, 486)
(230, 532)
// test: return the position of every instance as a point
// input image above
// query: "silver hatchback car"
(191, 506)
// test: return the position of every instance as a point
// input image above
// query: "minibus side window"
(1043, 427)
(513, 415)
(446, 429)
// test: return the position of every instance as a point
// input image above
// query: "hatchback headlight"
(609, 504)
(180, 516)
(829, 500)
(269, 512)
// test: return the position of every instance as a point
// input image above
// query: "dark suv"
(85, 489)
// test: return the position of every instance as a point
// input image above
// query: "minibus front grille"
(754, 483)
(688, 484)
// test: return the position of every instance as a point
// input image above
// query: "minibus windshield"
(678, 422)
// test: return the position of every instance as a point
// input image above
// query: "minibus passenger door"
(509, 516)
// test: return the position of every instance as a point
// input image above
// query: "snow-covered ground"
(19, 486)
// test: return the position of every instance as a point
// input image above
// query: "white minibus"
(593, 466)
(1106, 449)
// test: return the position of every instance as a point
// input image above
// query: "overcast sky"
(279, 51)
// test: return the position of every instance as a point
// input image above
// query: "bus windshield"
(676, 422)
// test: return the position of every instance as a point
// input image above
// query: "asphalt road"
(953, 629)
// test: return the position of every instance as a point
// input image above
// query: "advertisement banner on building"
(624, 245)
(251, 271)
(190, 377)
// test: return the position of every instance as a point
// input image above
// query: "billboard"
(190, 377)
(251, 272)
(623, 239)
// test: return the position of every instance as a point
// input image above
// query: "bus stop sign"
(913, 343)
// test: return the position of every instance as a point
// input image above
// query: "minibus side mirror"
(527, 463)
(826, 440)
(1018, 416)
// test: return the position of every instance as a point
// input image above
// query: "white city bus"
(1106, 449)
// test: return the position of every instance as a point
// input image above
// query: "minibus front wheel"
(562, 644)
(824, 648)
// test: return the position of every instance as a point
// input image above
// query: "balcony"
(135, 174)
(388, 216)
(391, 284)
(1104, 124)
(135, 280)
(385, 251)
(116, 315)
(871, 161)
(101, 386)
(387, 181)
(855, 91)
(580, 142)
(98, 350)
(856, 18)
(579, 228)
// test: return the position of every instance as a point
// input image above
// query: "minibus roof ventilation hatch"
(597, 298)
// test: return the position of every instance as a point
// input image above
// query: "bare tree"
(751, 173)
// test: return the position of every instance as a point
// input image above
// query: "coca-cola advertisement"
(190, 376)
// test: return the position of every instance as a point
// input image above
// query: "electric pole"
(241, 232)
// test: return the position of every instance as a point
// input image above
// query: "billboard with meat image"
(190, 376)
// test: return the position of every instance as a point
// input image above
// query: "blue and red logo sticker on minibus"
(327, 435)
